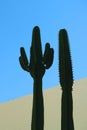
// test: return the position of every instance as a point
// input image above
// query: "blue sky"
(17, 19)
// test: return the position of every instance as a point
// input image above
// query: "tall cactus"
(66, 81)
(37, 66)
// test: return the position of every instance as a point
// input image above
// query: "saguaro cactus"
(37, 66)
(66, 81)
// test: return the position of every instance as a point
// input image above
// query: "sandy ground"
(16, 114)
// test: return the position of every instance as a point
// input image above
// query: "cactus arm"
(46, 53)
(48, 56)
(23, 60)
(66, 81)
(23, 55)
(24, 67)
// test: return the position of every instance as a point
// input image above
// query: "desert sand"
(16, 114)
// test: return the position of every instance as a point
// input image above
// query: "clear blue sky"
(17, 19)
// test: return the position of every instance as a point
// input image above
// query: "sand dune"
(16, 114)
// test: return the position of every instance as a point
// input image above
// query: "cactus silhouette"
(66, 81)
(36, 67)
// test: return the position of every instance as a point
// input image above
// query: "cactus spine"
(66, 81)
(37, 66)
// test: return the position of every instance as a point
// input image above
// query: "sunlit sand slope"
(16, 114)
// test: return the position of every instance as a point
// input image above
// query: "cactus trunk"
(66, 81)
(38, 106)
(67, 111)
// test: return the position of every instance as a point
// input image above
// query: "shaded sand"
(16, 114)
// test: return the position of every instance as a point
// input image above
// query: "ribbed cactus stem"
(36, 45)
(65, 64)
(66, 81)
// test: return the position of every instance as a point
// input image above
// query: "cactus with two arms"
(36, 67)
(66, 81)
